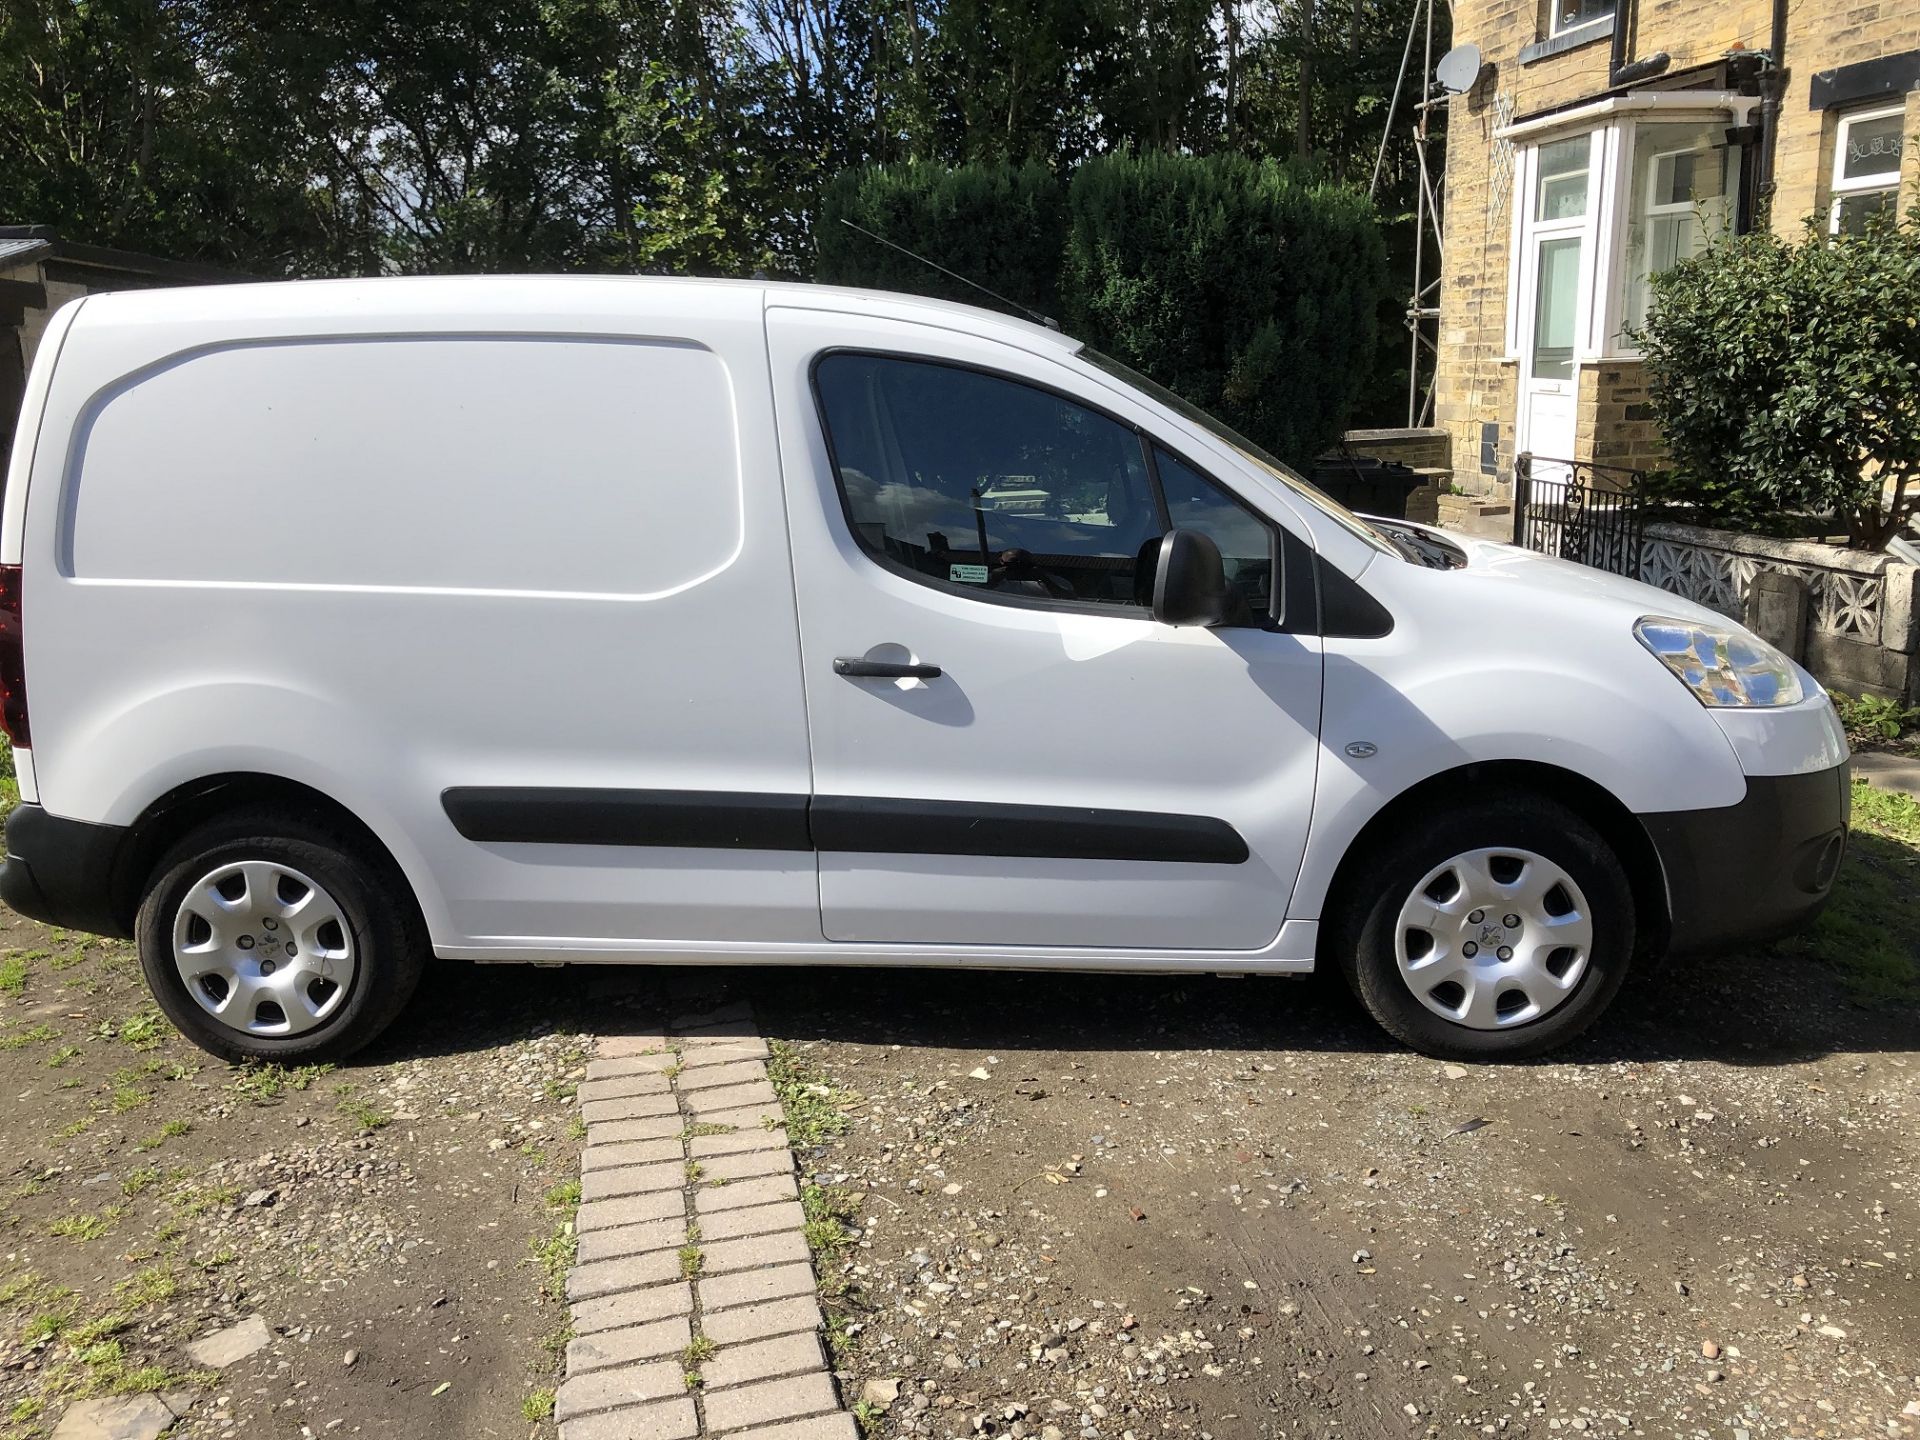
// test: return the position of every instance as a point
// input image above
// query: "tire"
(1411, 949)
(347, 953)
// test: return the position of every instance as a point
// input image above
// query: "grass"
(1870, 931)
(264, 1084)
(564, 1196)
(150, 1286)
(143, 1178)
(13, 972)
(81, 1226)
(692, 1260)
(555, 1253)
(537, 1406)
(812, 1107)
(32, 1035)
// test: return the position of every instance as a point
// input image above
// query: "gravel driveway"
(1113, 1207)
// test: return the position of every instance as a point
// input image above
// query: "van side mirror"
(1190, 581)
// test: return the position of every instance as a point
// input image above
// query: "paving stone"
(706, 1077)
(620, 1385)
(769, 1400)
(611, 1241)
(226, 1347)
(726, 1030)
(623, 1132)
(626, 1047)
(763, 1116)
(632, 1180)
(632, 1307)
(622, 1086)
(604, 1277)
(630, 1210)
(724, 1050)
(628, 1344)
(815, 1427)
(632, 1152)
(732, 1011)
(743, 1364)
(729, 1097)
(752, 1220)
(761, 1190)
(632, 1065)
(628, 1107)
(757, 1137)
(782, 1247)
(665, 1420)
(749, 1286)
(746, 1165)
(757, 1322)
(130, 1417)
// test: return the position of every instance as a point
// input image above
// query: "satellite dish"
(1458, 69)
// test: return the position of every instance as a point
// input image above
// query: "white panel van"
(347, 624)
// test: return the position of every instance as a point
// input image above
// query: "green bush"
(1872, 718)
(1787, 378)
(1247, 287)
(1003, 226)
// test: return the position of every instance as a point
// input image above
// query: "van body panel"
(527, 545)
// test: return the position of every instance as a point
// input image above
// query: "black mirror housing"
(1190, 581)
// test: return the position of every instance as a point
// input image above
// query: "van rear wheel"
(265, 937)
(1495, 931)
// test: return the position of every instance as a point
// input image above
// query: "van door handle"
(883, 670)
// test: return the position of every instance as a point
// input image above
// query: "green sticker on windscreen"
(967, 574)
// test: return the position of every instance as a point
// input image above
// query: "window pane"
(1194, 502)
(1872, 147)
(1556, 299)
(1563, 179)
(1679, 199)
(1569, 13)
(987, 484)
(1852, 213)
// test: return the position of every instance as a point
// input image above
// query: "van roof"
(282, 301)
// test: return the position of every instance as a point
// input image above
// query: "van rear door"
(1008, 750)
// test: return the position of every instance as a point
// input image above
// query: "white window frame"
(1839, 187)
(1603, 257)
(1556, 29)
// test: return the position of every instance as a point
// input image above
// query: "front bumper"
(62, 872)
(1754, 871)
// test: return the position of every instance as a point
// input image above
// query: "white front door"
(1075, 775)
(1554, 298)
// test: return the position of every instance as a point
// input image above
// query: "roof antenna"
(1026, 310)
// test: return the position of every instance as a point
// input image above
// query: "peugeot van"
(351, 624)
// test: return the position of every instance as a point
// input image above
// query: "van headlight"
(1721, 666)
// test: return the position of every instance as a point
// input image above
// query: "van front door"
(1008, 751)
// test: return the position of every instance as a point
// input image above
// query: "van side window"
(1246, 541)
(985, 484)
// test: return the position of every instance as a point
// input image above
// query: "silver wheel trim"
(263, 949)
(1462, 958)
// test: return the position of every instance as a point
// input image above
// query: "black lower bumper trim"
(1748, 873)
(61, 872)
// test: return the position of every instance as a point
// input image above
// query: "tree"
(1786, 377)
(1245, 286)
(1003, 226)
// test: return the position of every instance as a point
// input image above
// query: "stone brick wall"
(1475, 383)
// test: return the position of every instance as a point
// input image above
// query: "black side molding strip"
(698, 819)
(1061, 832)
(735, 820)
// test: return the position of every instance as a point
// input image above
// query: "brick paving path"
(692, 1258)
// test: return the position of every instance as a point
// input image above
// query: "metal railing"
(1592, 514)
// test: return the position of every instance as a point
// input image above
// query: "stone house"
(40, 270)
(1603, 141)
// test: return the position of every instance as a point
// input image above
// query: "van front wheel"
(265, 938)
(1495, 932)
